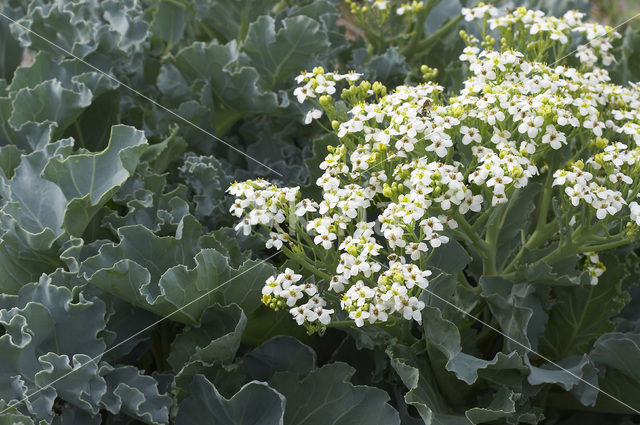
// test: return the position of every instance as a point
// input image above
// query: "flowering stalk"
(414, 170)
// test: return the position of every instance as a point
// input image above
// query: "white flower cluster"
(394, 293)
(538, 26)
(284, 290)
(411, 166)
(318, 83)
(594, 266)
(612, 183)
(266, 202)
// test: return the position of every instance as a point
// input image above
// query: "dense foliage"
(135, 289)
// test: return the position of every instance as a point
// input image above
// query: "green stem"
(427, 43)
(307, 265)
(421, 18)
(478, 244)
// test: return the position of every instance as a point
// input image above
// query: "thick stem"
(421, 18)
(307, 265)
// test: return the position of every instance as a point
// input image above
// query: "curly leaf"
(166, 276)
(255, 404)
(279, 354)
(418, 377)
(618, 354)
(215, 338)
(518, 310)
(135, 395)
(325, 396)
(276, 54)
(582, 313)
(46, 332)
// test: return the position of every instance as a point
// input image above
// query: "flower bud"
(601, 142)
(318, 70)
(325, 100)
(335, 124)
(387, 191)
(424, 69)
(599, 158)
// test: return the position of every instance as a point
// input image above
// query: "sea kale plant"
(483, 238)
(441, 226)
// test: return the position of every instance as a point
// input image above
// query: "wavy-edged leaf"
(501, 406)
(169, 22)
(583, 313)
(171, 275)
(88, 180)
(230, 18)
(279, 354)
(580, 369)
(230, 90)
(47, 333)
(255, 404)
(48, 101)
(83, 27)
(149, 202)
(518, 309)
(134, 394)
(423, 394)
(208, 180)
(215, 338)
(619, 355)
(325, 396)
(277, 53)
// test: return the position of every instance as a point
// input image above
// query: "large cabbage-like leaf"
(416, 374)
(83, 27)
(171, 275)
(279, 354)
(255, 404)
(134, 394)
(325, 396)
(277, 53)
(46, 335)
(618, 355)
(216, 338)
(583, 313)
(518, 309)
(229, 90)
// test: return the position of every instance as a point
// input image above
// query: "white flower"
(292, 294)
(313, 114)
(415, 248)
(304, 92)
(470, 134)
(271, 287)
(554, 138)
(299, 313)
(530, 125)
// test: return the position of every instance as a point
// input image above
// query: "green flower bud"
(387, 191)
(601, 142)
(325, 100)
(335, 124)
